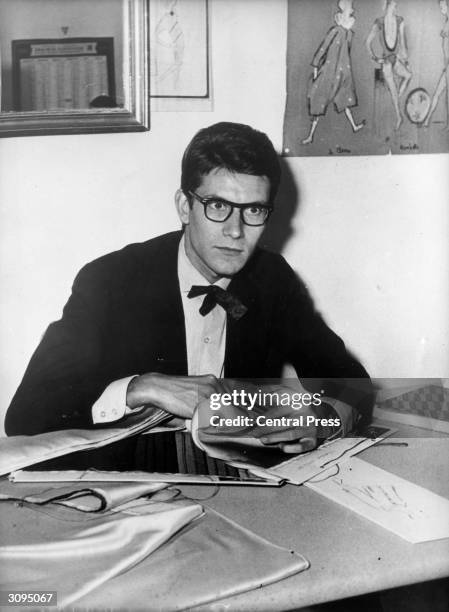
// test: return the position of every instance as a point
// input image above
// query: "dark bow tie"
(216, 295)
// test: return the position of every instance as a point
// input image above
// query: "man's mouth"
(230, 250)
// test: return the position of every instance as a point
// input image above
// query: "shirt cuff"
(111, 405)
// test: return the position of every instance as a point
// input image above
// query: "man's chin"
(228, 270)
(228, 273)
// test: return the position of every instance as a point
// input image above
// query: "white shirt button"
(207, 339)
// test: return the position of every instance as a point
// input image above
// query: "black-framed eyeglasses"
(219, 210)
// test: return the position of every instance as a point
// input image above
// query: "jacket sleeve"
(321, 53)
(67, 371)
(319, 355)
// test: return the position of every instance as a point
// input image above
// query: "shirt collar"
(188, 275)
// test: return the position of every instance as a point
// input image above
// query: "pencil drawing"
(443, 81)
(387, 46)
(332, 79)
(169, 38)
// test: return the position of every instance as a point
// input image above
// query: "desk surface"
(348, 554)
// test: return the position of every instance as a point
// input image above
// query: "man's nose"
(234, 225)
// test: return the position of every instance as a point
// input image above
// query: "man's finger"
(302, 446)
(285, 435)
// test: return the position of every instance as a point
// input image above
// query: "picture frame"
(133, 112)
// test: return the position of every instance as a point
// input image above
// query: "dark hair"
(233, 146)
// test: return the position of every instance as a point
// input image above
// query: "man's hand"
(177, 395)
(291, 440)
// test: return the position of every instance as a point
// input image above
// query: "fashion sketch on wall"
(179, 49)
(391, 57)
(332, 80)
(442, 87)
(367, 77)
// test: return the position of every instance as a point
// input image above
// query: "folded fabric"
(207, 561)
(103, 560)
(87, 497)
(63, 550)
(18, 452)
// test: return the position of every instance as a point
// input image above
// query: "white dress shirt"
(205, 336)
(205, 341)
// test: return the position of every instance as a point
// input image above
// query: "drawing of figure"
(332, 79)
(443, 82)
(169, 39)
(378, 496)
(391, 53)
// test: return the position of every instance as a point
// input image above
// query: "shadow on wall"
(279, 230)
(276, 236)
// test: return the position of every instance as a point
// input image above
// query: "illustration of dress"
(334, 81)
(168, 50)
(443, 81)
(391, 53)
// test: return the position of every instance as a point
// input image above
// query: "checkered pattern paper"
(431, 401)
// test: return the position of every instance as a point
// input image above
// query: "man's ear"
(182, 206)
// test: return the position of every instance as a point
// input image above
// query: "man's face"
(222, 249)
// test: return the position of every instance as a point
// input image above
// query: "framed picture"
(78, 67)
(65, 73)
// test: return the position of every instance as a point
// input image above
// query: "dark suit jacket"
(125, 317)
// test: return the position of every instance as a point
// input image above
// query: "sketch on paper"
(378, 496)
(179, 49)
(408, 510)
(366, 77)
(387, 46)
(169, 42)
(443, 81)
(332, 80)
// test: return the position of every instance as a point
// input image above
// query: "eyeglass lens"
(217, 210)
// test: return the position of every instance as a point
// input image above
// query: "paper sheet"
(408, 510)
(301, 468)
(135, 476)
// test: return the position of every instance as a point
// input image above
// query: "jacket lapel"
(245, 348)
(162, 302)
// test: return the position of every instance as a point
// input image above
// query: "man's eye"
(255, 210)
(217, 205)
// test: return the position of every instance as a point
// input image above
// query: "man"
(159, 323)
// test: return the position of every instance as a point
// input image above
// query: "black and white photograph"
(224, 275)
(366, 77)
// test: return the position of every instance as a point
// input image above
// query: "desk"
(348, 554)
